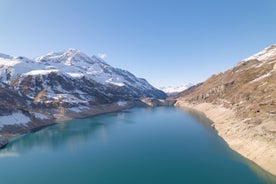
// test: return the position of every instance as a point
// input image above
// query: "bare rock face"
(245, 96)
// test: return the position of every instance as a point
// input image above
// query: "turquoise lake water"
(138, 146)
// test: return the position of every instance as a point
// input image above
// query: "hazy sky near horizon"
(168, 42)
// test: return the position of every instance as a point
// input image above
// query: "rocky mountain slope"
(63, 85)
(242, 104)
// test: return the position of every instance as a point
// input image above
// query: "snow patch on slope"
(39, 115)
(40, 72)
(267, 53)
(15, 118)
(122, 103)
(262, 77)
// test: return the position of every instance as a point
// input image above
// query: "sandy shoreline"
(239, 136)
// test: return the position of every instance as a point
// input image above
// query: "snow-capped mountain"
(72, 77)
(173, 90)
(62, 85)
(73, 64)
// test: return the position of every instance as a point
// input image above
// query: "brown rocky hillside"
(242, 103)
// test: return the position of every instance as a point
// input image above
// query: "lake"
(163, 145)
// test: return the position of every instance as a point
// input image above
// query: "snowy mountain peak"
(170, 90)
(74, 76)
(67, 57)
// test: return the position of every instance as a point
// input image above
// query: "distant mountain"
(5, 56)
(242, 103)
(65, 84)
(173, 90)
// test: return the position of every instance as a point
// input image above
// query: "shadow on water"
(207, 124)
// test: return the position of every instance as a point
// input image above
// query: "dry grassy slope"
(249, 89)
(249, 92)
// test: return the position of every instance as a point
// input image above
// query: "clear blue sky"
(168, 42)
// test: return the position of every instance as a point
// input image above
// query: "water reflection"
(8, 153)
(65, 134)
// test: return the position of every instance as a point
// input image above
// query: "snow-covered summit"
(172, 90)
(68, 57)
(76, 64)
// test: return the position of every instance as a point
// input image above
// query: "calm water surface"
(139, 146)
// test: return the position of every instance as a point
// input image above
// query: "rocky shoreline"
(239, 136)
